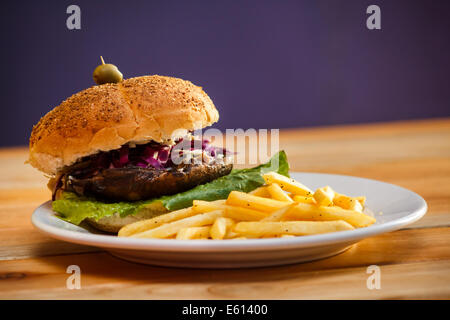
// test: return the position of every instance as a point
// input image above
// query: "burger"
(120, 152)
(113, 142)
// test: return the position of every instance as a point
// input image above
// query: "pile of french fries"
(282, 207)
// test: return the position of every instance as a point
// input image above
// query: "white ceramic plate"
(399, 208)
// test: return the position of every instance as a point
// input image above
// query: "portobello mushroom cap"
(136, 183)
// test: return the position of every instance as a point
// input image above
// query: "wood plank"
(19, 197)
(375, 129)
(423, 280)
(23, 243)
(422, 253)
(14, 173)
(21, 240)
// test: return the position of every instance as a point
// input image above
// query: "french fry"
(243, 214)
(202, 206)
(298, 228)
(219, 228)
(356, 205)
(287, 184)
(172, 228)
(287, 236)
(304, 211)
(245, 200)
(277, 193)
(231, 234)
(144, 225)
(193, 233)
(261, 192)
(348, 203)
(361, 200)
(324, 196)
(303, 199)
(277, 215)
(233, 212)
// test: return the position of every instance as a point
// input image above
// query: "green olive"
(107, 73)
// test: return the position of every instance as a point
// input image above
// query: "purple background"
(266, 64)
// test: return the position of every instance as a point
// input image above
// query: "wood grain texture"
(403, 254)
(414, 262)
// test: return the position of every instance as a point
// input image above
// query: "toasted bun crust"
(105, 117)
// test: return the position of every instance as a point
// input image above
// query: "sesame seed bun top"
(105, 117)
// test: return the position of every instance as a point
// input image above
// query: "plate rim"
(173, 245)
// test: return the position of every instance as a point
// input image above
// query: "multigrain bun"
(105, 117)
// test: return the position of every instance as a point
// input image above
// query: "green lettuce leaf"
(75, 209)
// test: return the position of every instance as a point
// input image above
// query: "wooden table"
(414, 262)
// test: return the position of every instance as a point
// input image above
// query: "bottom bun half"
(114, 223)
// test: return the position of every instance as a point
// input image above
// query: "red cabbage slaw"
(154, 155)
